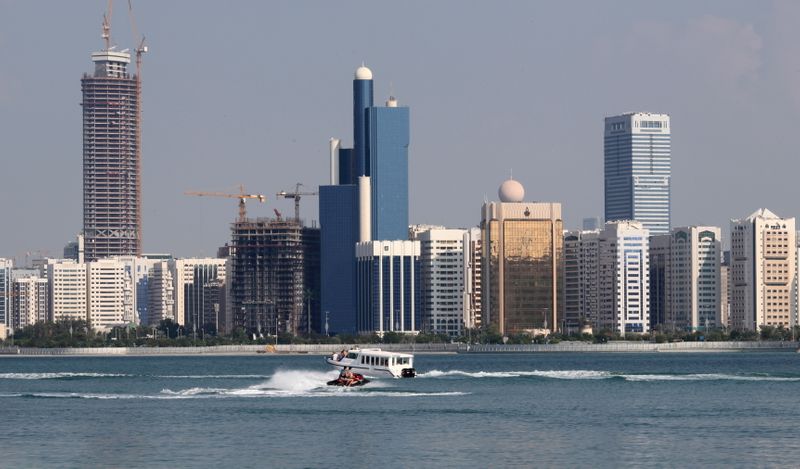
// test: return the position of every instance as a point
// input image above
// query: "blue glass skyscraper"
(638, 169)
(362, 100)
(388, 163)
(366, 200)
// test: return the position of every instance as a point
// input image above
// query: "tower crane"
(296, 195)
(242, 196)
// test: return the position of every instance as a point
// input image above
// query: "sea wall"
(321, 349)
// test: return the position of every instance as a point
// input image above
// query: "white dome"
(363, 73)
(511, 191)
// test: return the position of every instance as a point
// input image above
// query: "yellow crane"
(242, 196)
(296, 195)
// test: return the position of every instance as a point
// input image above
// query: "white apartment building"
(29, 301)
(473, 282)
(763, 272)
(581, 280)
(685, 279)
(67, 281)
(442, 259)
(160, 294)
(5, 291)
(623, 277)
(110, 294)
(189, 278)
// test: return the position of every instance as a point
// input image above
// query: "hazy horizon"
(250, 93)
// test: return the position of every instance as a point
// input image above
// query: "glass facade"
(389, 288)
(388, 162)
(638, 170)
(362, 99)
(525, 265)
(338, 217)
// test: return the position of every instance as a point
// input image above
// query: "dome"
(363, 73)
(511, 191)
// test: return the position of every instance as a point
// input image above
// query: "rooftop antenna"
(511, 176)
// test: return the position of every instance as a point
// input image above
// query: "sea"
(467, 410)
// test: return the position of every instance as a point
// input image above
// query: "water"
(492, 410)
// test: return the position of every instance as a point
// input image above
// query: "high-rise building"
(388, 140)
(685, 284)
(763, 272)
(389, 286)
(161, 294)
(638, 169)
(269, 287)
(5, 291)
(623, 278)
(473, 278)
(112, 192)
(725, 290)
(442, 259)
(67, 290)
(30, 301)
(580, 280)
(189, 277)
(591, 224)
(367, 199)
(110, 295)
(522, 263)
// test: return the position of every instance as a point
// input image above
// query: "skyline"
(543, 124)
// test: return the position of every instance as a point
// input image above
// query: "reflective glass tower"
(638, 169)
(388, 163)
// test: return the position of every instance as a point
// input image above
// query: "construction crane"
(242, 196)
(296, 195)
(141, 48)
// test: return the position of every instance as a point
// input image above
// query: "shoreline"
(421, 349)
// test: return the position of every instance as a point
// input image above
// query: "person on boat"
(347, 377)
(335, 356)
(342, 354)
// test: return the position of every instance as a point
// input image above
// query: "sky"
(250, 92)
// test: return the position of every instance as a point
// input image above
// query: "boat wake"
(61, 375)
(594, 374)
(284, 383)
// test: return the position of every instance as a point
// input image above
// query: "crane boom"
(241, 196)
(296, 195)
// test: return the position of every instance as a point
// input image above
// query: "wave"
(594, 374)
(207, 394)
(61, 375)
(556, 374)
(211, 376)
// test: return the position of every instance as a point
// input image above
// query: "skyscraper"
(522, 263)
(112, 195)
(388, 140)
(638, 169)
(367, 198)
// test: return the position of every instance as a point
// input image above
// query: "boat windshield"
(352, 355)
(402, 360)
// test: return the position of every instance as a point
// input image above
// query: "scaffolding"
(111, 158)
(271, 287)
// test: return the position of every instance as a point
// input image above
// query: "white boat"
(375, 362)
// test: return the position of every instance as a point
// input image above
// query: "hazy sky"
(250, 93)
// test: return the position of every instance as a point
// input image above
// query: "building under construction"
(274, 275)
(112, 184)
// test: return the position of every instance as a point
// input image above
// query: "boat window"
(371, 360)
(352, 355)
(384, 361)
(362, 359)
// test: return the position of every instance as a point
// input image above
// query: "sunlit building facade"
(522, 263)
(763, 271)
